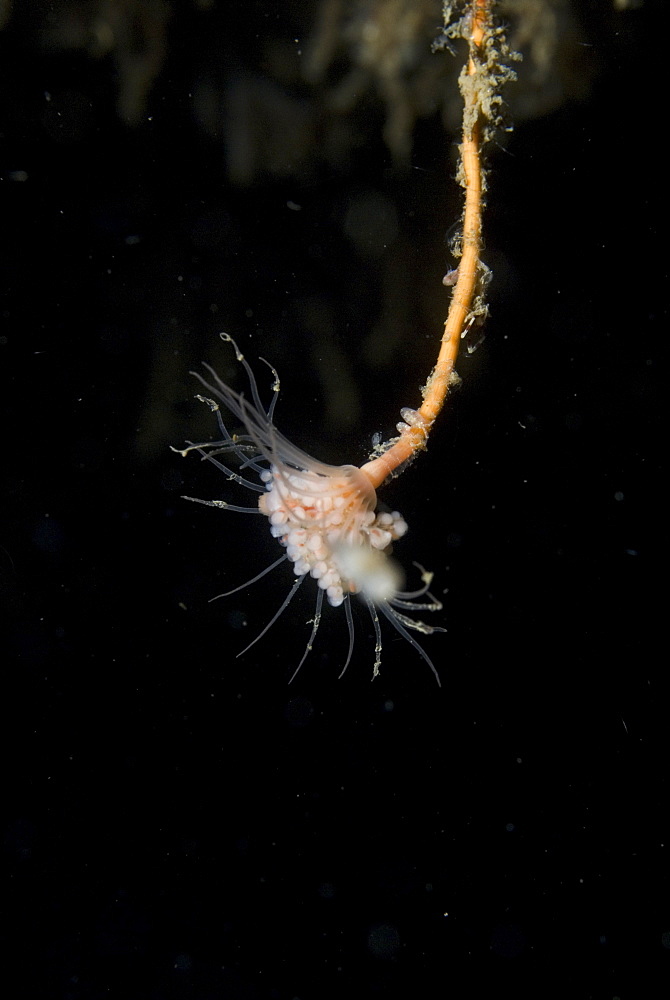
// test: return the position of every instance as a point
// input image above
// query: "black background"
(180, 823)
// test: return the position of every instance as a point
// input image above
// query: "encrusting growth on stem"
(478, 82)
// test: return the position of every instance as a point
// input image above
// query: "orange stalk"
(415, 436)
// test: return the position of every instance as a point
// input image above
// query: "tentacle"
(208, 456)
(222, 505)
(414, 623)
(248, 369)
(434, 605)
(276, 386)
(254, 579)
(310, 641)
(427, 578)
(350, 627)
(372, 608)
(269, 625)
(397, 622)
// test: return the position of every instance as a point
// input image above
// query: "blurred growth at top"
(290, 84)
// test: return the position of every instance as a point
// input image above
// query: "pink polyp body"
(319, 517)
(324, 517)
